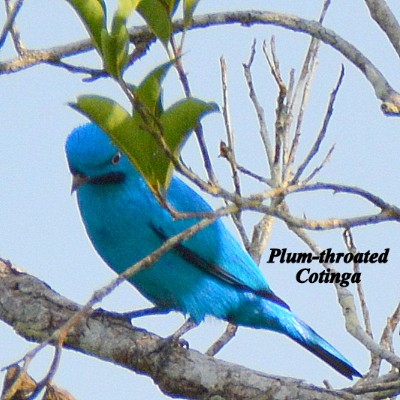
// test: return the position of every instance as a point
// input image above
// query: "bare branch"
(346, 301)
(225, 152)
(228, 335)
(320, 166)
(387, 21)
(199, 128)
(391, 325)
(351, 247)
(12, 12)
(228, 151)
(177, 371)
(51, 373)
(382, 88)
(260, 112)
(301, 96)
(140, 36)
(261, 234)
(315, 148)
(228, 127)
(375, 200)
(281, 120)
(283, 112)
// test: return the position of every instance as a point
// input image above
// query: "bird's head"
(93, 158)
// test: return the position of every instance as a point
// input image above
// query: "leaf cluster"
(150, 136)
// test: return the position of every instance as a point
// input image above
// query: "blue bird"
(208, 274)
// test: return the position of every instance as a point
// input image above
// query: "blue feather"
(208, 274)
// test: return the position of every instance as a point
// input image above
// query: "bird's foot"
(176, 339)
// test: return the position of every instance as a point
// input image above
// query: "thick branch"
(30, 58)
(34, 310)
(387, 21)
(383, 90)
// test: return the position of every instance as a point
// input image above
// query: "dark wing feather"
(216, 270)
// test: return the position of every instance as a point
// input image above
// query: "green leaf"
(121, 38)
(108, 52)
(93, 15)
(124, 10)
(177, 122)
(107, 113)
(188, 10)
(126, 7)
(149, 92)
(115, 45)
(181, 118)
(115, 51)
(157, 17)
(125, 130)
(130, 135)
(172, 6)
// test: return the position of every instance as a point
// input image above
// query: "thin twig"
(315, 148)
(93, 73)
(320, 166)
(382, 88)
(228, 127)
(12, 12)
(351, 247)
(281, 120)
(199, 128)
(387, 211)
(391, 325)
(228, 151)
(253, 175)
(283, 112)
(52, 371)
(328, 224)
(346, 300)
(259, 111)
(227, 336)
(337, 188)
(302, 92)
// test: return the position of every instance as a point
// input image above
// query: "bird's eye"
(116, 158)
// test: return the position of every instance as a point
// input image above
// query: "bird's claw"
(177, 341)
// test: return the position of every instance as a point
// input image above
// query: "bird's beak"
(78, 180)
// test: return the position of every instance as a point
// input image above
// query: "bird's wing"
(213, 250)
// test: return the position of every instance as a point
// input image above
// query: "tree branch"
(382, 88)
(387, 21)
(9, 27)
(35, 311)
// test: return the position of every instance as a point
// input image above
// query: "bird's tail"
(308, 338)
(275, 317)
